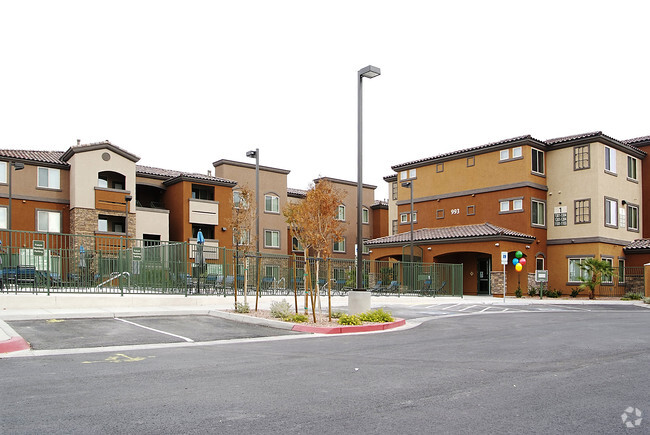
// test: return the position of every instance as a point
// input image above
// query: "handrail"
(115, 275)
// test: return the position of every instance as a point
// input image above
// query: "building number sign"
(455, 211)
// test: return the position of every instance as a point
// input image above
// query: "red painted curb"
(346, 329)
(14, 344)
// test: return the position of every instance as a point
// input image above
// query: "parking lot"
(90, 333)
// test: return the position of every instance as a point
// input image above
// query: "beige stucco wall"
(152, 221)
(566, 185)
(25, 181)
(84, 168)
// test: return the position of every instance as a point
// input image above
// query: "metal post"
(257, 200)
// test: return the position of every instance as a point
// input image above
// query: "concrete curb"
(348, 329)
(242, 318)
(10, 341)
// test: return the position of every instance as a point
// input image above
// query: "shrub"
(346, 319)
(336, 314)
(631, 296)
(296, 318)
(552, 293)
(378, 316)
(533, 291)
(242, 308)
(646, 300)
(518, 292)
(281, 309)
(575, 292)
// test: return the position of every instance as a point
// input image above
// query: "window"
(272, 272)
(576, 271)
(407, 175)
(394, 227)
(621, 271)
(244, 237)
(340, 213)
(202, 192)
(610, 160)
(516, 152)
(3, 172)
(365, 249)
(440, 167)
(394, 189)
(102, 182)
(504, 206)
(271, 204)
(611, 213)
(339, 245)
(538, 161)
(49, 178)
(631, 168)
(237, 200)
(111, 224)
(365, 215)
(296, 245)
(271, 239)
(3, 218)
(538, 212)
(581, 157)
(539, 263)
(404, 217)
(632, 217)
(412, 173)
(206, 230)
(608, 279)
(49, 221)
(517, 204)
(582, 211)
(504, 155)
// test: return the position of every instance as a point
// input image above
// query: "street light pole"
(18, 166)
(127, 200)
(367, 72)
(409, 184)
(256, 155)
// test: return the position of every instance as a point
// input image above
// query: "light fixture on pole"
(18, 166)
(367, 72)
(256, 155)
(409, 184)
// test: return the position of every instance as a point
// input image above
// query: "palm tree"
(596, 270)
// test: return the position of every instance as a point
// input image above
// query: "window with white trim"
(365, 250)
(516, 152)
(610, 160)
(394, 190)
(340, 213)
(296, 245)
(394, 227)
(608, 279)
(611, 213)
(48, 221)
(621, 271)
(407, 175)
(517, 204)
(365, 215)
(538, 212)
(576, 271)
(49, 178)
(632, 217)
(3, 172)
(404, 217)
(271, 204)
(3, 218)
(504, 205)
(339, 245)
(504, 154)
(538, 161)
(271, 239)
(631, 168)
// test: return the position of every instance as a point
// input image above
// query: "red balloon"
(522, 261)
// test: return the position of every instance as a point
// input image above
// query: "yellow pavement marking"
(55, 320)
(119, 358)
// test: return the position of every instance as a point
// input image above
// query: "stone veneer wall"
(496, 282)
(83, 221)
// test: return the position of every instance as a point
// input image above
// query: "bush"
(242, 308)
(518, 292)
(575, 292)
(346, 319)
(378, 316)
(296, 318)
(533, 291)
(281, 309)
(552, 294)
(646, 300)
(336, 315)
(631, 296)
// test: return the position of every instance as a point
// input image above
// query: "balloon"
(515, 261)
(518, 267)
(518, 254)
(522, 261)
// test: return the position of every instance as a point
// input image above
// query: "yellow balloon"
(518, 267)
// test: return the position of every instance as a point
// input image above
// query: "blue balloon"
(515, 261)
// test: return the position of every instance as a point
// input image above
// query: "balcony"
(110, 199)
(204, 212)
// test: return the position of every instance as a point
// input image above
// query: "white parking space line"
(485, 309)
(189, 340)
(467, 308)
(450, 306)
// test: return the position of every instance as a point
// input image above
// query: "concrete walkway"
(70, 306)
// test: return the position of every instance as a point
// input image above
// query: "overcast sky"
(182, 84)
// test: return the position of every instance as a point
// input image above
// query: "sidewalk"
(71, 306)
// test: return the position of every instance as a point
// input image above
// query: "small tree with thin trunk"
(242, 222)
(296, 217)
(596, 270)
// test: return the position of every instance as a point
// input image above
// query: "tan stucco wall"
(24, 184)
(84, 168)
(152, 221)
(566, 185)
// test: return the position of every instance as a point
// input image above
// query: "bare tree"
(242, 223)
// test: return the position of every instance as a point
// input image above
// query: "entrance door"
(483, 267)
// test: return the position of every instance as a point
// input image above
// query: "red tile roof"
(450, 233)
(53, 157)
(638, 244)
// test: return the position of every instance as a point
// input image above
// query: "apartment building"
(557, 201)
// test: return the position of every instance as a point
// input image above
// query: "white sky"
(182, 84)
